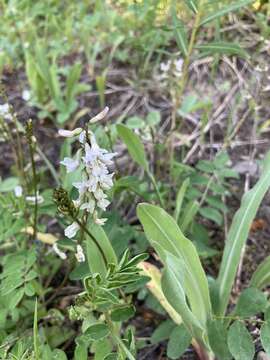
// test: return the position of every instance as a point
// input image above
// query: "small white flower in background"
(18, 190)
(171, 68)
(60, 253)
(32, 199)
(72, 230)
(5, 112)
(80, 254)
(26, 95)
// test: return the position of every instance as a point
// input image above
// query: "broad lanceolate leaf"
(175, 293)
(154, 286)
(134, 145)
(261, 277)
(166, 237)
(225, 10)
(222, 47)
(180, 198)
(179, 32)
(238, 234)
(240, 342)
(94, 257)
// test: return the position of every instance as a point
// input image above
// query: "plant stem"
(33, 165)
(84, 228)
(153, 181)
(116, 337)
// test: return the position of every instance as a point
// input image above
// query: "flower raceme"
(96, 178)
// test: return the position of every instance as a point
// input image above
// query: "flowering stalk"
(92, 161)
(30, 141)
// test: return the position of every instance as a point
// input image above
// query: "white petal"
(69, 133)
(80, 254)
(103, 204)
(32, 199)
(100, 222)
(70, 164)
(100, 115)
(71, 230)
(60, 253)
(18, 190)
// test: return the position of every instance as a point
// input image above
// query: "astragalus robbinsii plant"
(201, 301)
(107, 279)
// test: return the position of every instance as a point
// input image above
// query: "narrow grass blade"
(134, 145)
(35, 333)
(180, 198)
(179, 32)
(238, 234)
(225, 10)
(222, 47)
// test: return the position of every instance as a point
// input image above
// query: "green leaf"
(134, 145)
(97, 331)
(163, 331)
(261, 277)
(193, 5)
(94, 257)
(251, 302)
(15, 298)
(165, 236)
(172, 283)
(225, 10)
(58, 355)
(153, 118)
(265, 337)
(211, 214)
(179, 199)
(222, 47)
(217, 334)
(179, 341)
(188, 215)
(123, 313)
(238, 234)
(179, 32)
(8, 184)
(240, 342)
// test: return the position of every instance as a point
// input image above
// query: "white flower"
(18, 190)
(71, 230)
(100, 222)
(32, 199)
(70, 133)
(5, 112)
(80, 254)
(26, 95)
(70, 164)
(103, 203)
(100, 115)
(89, 206)
(60, 253)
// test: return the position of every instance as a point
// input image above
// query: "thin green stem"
(116, 337)
(84, 228)
(153, 181)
